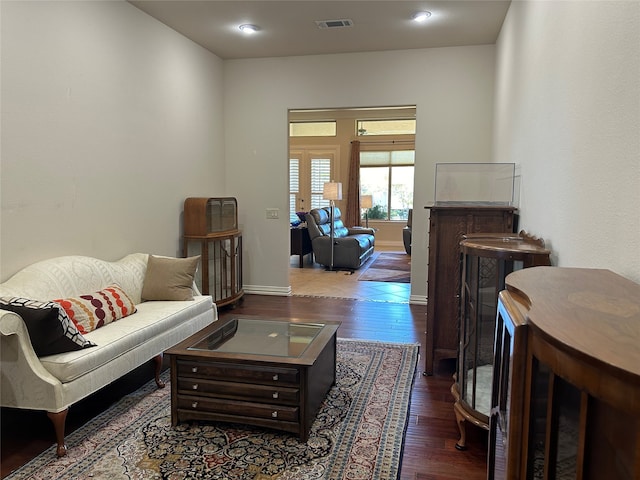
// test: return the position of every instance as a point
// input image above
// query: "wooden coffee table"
(271, 373)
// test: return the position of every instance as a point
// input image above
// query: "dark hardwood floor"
(429, 451)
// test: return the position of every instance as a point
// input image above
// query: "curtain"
(352, 215)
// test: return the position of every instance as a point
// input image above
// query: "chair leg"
(158, 361)
(58, 419)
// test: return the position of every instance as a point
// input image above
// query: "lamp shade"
(332, 191)
(366, 201)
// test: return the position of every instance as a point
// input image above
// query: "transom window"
(312, 129)
(386, 127)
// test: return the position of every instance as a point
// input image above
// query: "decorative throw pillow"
(50, 329)
(95, 310)
(169, 278)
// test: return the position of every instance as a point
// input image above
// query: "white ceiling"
(288, 28)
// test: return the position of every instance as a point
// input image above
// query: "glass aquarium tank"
(475, 183)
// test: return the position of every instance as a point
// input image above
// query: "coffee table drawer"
(238, 372)
(243, 391)
(238, 408)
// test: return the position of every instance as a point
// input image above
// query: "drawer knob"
(274, 414)
(275, 395)
(195, 386)
(194, 405)
(194, 369)
(275, 377)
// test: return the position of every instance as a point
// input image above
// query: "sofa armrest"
(361, 230)
(25, 382)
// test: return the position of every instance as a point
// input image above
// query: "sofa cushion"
(169, 278)
(150, 321)
(50, 329)
(94, 310)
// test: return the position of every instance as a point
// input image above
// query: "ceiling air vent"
(345, 22)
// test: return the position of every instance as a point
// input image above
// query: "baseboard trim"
(390, 244)
(418, 299)
(267, 290)
(287, 292)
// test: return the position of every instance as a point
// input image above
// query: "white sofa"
(53, 383)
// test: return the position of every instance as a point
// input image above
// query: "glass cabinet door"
(486, 261)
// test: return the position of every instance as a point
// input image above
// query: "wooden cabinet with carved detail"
(448, 223)
(487, 258)
(566, 377)
(211, 231)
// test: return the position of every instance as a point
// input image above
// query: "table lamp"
(366, 202)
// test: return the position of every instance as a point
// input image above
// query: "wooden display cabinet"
(487, 258)
(448, 224)
(211, 231)
(566, 387)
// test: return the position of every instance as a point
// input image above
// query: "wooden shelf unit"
(566, 381)
(448, 224)
(211, 231)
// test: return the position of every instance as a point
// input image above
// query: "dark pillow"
(45, 330)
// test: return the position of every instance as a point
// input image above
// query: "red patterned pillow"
(89, 312)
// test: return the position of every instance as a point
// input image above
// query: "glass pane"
(320, 174)
(401, 192)
(294, 175)
(387, 127)
(481, 183)
(403, 157)
(375, 158)
(318, 202)
(292, 208)
(260, 337)
(395, 157)
(566, 438)
(374, 181)
(538, 428)
(294, 187)
(312, 129)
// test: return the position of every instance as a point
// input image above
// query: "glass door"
(309, 169)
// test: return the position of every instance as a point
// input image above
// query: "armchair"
(351, 246)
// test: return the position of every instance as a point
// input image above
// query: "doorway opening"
(320, 150)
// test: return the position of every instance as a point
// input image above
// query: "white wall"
(568, 112)
(453, 91)
(109, 120)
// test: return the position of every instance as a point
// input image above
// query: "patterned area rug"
(389, 267)
(358, 433)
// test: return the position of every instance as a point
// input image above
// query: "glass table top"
(260, 337)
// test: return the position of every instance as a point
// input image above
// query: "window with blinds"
(388, 177)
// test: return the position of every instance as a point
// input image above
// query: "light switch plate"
(273, 213)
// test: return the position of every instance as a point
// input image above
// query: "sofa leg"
(58, 419)
(158, 361)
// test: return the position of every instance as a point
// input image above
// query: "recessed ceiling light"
(421, 16)
(248, 28)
